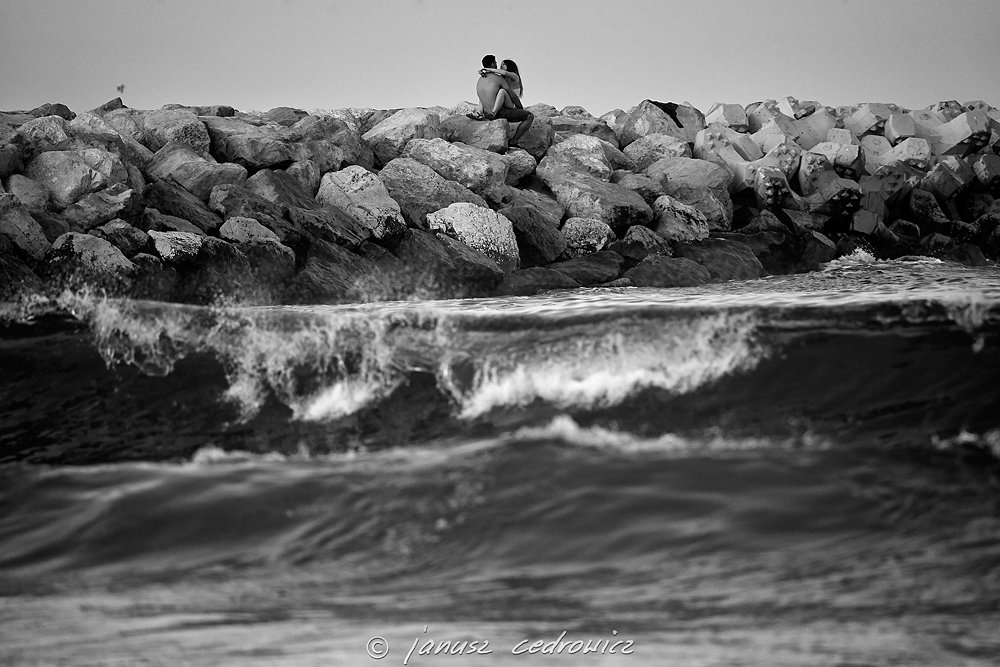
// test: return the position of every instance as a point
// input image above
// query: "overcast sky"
(599, 54)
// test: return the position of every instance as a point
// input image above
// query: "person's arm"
(492, 70)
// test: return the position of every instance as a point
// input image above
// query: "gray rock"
(481, 229)
(155, 221)
(579, 153)
(646, 150)
(650, 117)
(640, 242)
(176, 247)
(595, 269)
(520, 165)
(435, 266)
(585, 125)
(232, 201)
(539, 137)
(333, 274)
(253, 147)
(534, 280)
(66, 176)
(96, 208)
(39, 135)
(32, 195)
(10, 160)
(286, 116)
(77, 259)
(17, 225)
(539, 240)
(281, 188)
(479, 170)
(308, 175)
(197, 175)
(246, 230)
(725, 260)
(363, 196)
(584, 236)
(419, 190)
(485, 135)
(662, 271)
(588, 197)
(158, 127)
(641, 184)
(53, 224)
(330, 224)
(124, 236)
(547, 205)
(677, 221)
(389, 137)
(702, 184)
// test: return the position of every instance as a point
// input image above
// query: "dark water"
(792, 471)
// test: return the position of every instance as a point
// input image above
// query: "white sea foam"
(604, 370)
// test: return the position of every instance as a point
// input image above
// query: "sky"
(598, 54)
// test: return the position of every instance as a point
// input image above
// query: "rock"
(533, 280)
(286, 116)
(725, 260)
(594, 269)
(729, 115)
(110, 105)
(107, 164)
(647, 149)
(66, 176)
(967, 253)
(180, 163)
(581, 154)
(159, 127)
(81, 259)
(155, 221)
(330, 224)
(219, 271)
(817, 249)
(650, 117)
(246, 230)
(588, 197)
(153, 280)
(221, 110)
(583, 125)
(677, 221)
(520, 165)
(539, 240)
(662, 271)
(232, 201)
(640, 242)
(52, 224)
(10, 160)
(389, 137)
(923, 209)
(176, 248)
(100, 207)
(772, 248)
(363, 196)
(585, 236)
(539, 137)
(31, 194)
(479, 170)
(545, 204)
(39, 135)
(307, 174)
(171, 199)
(124, 236)
(329, 142)
(702, 184)
(279, 187)
(481, 229)
(17, 225)
(419, 190)
(641, 184)
(250, 146)
(16, 278)
(936, 243)
(485, 135)
(273, 266)
(442, 267)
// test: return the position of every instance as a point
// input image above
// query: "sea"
(794, 470)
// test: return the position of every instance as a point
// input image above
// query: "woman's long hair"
(512, 67)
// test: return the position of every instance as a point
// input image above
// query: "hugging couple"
(499, 91)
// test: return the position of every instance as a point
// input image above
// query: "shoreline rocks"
(206, 204)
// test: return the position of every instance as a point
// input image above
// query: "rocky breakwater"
(209, 205)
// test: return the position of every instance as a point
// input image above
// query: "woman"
(508, 70)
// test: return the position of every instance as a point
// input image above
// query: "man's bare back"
(487, 88)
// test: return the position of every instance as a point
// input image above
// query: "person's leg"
(523, 127)
(525, 118)
(503, 100)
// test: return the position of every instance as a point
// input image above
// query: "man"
(488, 87)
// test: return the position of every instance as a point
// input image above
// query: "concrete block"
(760, 114)
(898, 127)
(780, 129)
(915, 152)
(962, 167)
(873, 202)
(948, 110)
(793, 108)
(861, 121)
(814, 128)
(966, 133)
(941, 181)
(811, 167)
(730, 115)
(877, 150)
(847, 159)
(866, 222)
(987, 169)
(841, 135)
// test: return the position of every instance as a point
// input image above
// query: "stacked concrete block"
(898, 127)
(730, 115)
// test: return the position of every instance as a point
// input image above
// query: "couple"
(500, 99)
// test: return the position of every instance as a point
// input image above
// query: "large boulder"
(330, 224)
(539, 240)
(17, 225)
(649, 117)
(171, 199)
(251, 146)
(281, 188)
(155, 221)
(724, 259)
(485, 135)
(520, 165)
(702, 184)
(124, 236)
(328, 141)
(536, 279)
(479, 170)
(639, 243)
(30, 193)
(646, 150)
(38, 135)
(420, 190)
(10, 160)
(246, 230)
(389, 137)
(91, 130)
(438, 266)
(97, 208)
(539, 137)
(66, 175)
(545, 203)
(176, 248)
(363, 196)
(585, 125)
(641, 184)
(676, 221)
(16, 277)
(81, 259)
(579, 153)
(585, 196)
(218, 272)
(182, 164)
(663, 271)
(481, 229)
(308, 175)
(232, 201)
(156, 128)
(109, 164)
(594, 269)
(584, 236)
